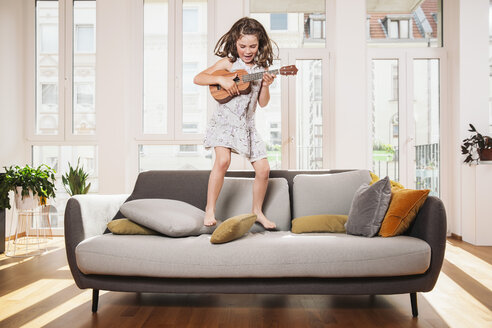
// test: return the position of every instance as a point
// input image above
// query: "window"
(174, 157)
(49, 38)
(305, 30)
(84, 94)
(49, 94)
(52, 72)
(190, 20)
(415, 26)
(84, 36)
(189, 102)
(397, 28)
(58, 157)
(278, 22)
(490, 67)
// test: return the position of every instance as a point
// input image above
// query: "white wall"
(350, 121)
(12, 74)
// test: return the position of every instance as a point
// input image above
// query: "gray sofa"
(267, 262)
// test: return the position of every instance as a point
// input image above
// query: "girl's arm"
(264, 96)
(206, 78)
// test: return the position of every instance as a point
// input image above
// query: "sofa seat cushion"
(266, 254)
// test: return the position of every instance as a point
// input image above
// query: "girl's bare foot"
(209, 220)
(267, 224)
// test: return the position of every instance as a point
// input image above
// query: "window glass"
(190, 20)
(58, 158)
(384, 124)
(294, 30)
(490, 67)
(49, 94)
(403, 24)
(84, 38)
(174, 157)
(426, 116)
(268, 122)
(155, 64)
(84, 68)
(49, 38)
(47, 73)
(278, 22)
(309, 115)
(195, 54)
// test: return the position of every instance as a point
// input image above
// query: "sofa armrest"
(430, 225)
(87, 216)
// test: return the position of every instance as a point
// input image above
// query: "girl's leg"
(215, 181)
(262, 171)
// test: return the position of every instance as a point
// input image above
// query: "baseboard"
(455, 236)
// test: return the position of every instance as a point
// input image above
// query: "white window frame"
(406, 142)
(65, 78)
(288, 56)
(175, 134)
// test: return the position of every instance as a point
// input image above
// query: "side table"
(29, 233)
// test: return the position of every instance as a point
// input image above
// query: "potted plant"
(32, 186)
(477, 147)
(75, 180)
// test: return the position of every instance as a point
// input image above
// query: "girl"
(232, 127)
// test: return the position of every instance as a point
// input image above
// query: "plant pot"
(28, 203)
(485, 154)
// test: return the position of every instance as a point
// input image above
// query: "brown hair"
(226, 46)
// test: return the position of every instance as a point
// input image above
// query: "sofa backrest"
(191, 186)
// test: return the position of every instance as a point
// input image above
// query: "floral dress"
(233, 123)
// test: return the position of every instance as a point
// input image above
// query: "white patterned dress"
(233, 123)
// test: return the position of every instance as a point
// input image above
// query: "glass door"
(405, 100)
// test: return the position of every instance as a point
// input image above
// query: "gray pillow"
(368, 208)
(236, 197)
(317, 194)
(173, 218)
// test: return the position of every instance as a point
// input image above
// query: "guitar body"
(220, 94)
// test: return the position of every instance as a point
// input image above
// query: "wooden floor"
(39, 292)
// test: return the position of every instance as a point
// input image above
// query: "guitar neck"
(257, 76)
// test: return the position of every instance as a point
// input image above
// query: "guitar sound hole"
(236, 79)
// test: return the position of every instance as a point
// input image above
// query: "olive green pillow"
(233, 228)
(319, 223)
(127, 227)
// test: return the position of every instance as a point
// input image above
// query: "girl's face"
(247, 47)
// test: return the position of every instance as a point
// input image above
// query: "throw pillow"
(127, 227)
(170, 217)
(314, 194)
(368, 208)
(394, 184)
(233, 228)
(319, 223)
(404, 206)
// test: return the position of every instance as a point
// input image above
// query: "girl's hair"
(226, 46)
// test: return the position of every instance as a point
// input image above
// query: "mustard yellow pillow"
(319, 223)
(403, 208)
(127, 227)
(394, 184)
(233, 228)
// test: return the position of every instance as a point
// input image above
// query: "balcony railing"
(426, 163)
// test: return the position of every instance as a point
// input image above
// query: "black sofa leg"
(415, 309)
(95, 300)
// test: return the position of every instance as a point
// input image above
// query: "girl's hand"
(268, 79)
(229, 85)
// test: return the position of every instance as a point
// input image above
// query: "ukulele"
(243, 80)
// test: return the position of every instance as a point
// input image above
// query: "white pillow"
(170, 217)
